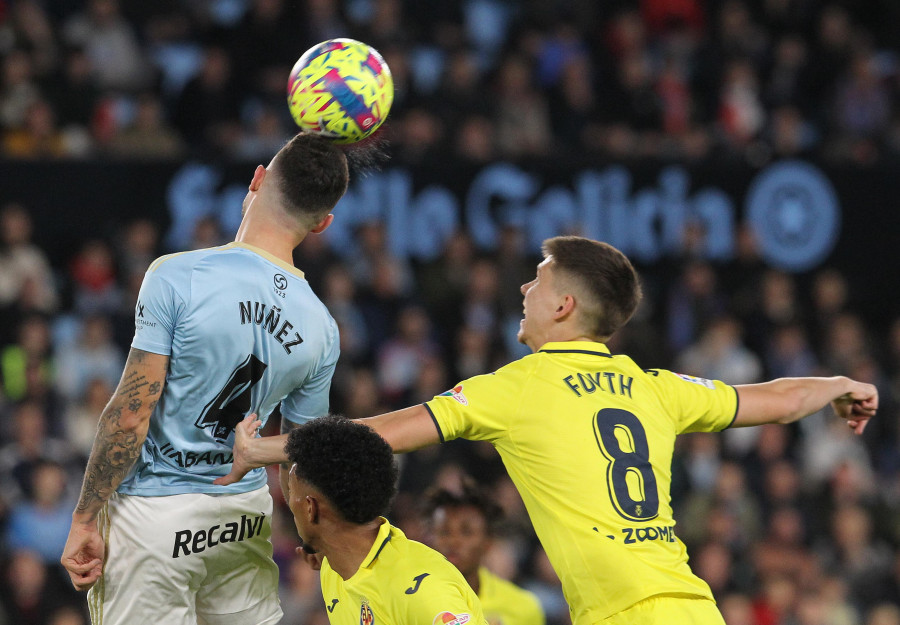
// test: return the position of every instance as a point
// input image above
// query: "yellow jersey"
(588, 438)
(400, 582)
(504, 603)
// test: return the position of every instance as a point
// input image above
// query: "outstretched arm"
(120, 436)
(786, 400)
(404, 430)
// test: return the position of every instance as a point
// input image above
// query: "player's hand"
(857, 406)
(244, 434)
(83, 554)
(314, 560)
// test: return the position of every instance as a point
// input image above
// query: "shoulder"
(504, 587)
(522, 366)
(180, 261)
(423, 566)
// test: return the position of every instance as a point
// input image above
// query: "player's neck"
(268, 236)
(347, 547)
(561, 334)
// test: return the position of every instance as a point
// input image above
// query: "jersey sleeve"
(532, 611)
(440, 599)
(157, 311)
(698, 404)
(482, 407)
(310, 399)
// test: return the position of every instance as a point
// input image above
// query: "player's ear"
(320, 228)
(564, 308)
(258, 177)
(312, 509)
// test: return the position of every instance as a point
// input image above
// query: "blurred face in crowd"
(461, 535)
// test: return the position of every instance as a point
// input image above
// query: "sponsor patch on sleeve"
(696, 380)
(449, 618)
(456, 393)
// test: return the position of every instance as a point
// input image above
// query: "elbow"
(130, 421)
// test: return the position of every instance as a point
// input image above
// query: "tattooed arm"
(120, 436)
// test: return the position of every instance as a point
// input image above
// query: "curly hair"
(471, 496)
(348, 462)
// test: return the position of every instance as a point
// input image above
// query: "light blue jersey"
(244, 332)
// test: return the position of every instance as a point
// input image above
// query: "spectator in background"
(39, 137)
(462, 525)
(401, 357)
(92, 355)
(862, 108)
(30, 594)
(855, 554)
(830, 297)
(475, 140)
(138, 246)
(74, 92)
(111, 43)
(81, 417)
(207, 109)
(27, 283)
(339, 296)
(521, 115)
(264, 135)
(149, 136)
(694, 301)
(741, 114)
(721, 353)
(28, 27)
(29, 446)
(40, 523)
(18, 90)
(93, 273)
(29, 355)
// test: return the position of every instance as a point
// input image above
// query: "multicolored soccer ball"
(342, 89)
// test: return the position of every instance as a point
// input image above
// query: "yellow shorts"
(668, 611)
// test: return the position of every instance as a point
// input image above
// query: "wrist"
(84, 518)
(254, 453)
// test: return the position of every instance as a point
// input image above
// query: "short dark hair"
(470, 496)
(348, 462)
(312, 176)
(604, 275)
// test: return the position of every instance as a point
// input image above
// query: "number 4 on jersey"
(232, 404)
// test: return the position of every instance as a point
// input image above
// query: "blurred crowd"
(795, 525)
(685, 79)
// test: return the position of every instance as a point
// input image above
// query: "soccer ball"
(341, 89)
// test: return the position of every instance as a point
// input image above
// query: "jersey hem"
(193, 489)
(737, 405)
(153, 348)
(434, 419)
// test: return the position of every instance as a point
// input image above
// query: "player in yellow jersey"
(342, 480)
(462, 528)
(588, 437)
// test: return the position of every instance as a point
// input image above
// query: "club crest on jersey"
(449, 618)
(696, 380)
(366, 617)
(457, 393)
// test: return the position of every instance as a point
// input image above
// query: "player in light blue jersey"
(220, 333)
